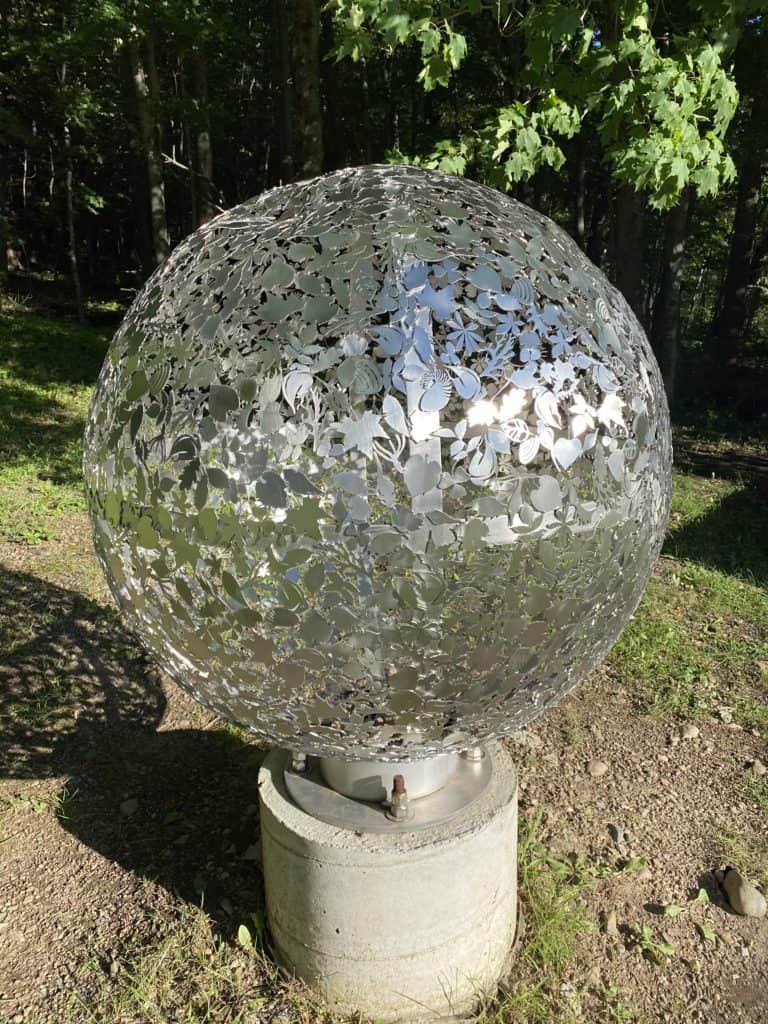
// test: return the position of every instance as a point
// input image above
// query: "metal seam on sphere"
(378, 464)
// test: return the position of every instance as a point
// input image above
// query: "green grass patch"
(756, 791)
(699, 639)
(47, 370)
(551, 892)
(747, 852)
(186, 973)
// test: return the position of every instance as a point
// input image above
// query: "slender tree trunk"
(666, 313)
(578, 186)
(74, 272)
(757, 270)
(393, 110)
(734, 311)
(189, 147)
(280, 89)
(628, 246)
(598, 239)
(307, 124)
(69, 206)
(203, 163)
(334, 135)
(147, 131)
(365, 97)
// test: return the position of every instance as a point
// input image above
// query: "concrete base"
(408, 927)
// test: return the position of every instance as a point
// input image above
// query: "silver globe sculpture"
(378, 464)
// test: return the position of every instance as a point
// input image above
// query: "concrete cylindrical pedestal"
(411, 926)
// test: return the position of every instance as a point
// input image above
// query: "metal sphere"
(378, 464)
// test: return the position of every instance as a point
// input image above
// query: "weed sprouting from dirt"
(552, 890)
(187, 973)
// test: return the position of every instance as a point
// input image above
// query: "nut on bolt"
(399, 807)
(298, 762)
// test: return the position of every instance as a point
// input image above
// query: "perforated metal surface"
(378, 464)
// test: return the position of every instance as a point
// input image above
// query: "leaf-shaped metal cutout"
(467, 383)
(522, 290)
(528, 450)
(222, 400)
(547, 409)
(296, 384)
(547, 496)
(436, 395)
(394, 415)
(565, 451)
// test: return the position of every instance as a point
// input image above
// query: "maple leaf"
(360, 433)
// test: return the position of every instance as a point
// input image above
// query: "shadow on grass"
(37, 429)
(730, 537)
(78, 699)
(44, 351)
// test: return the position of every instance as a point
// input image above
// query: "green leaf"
(455, 48)
(706, 933)
(398, 27)
(672, 910)
(244, 937)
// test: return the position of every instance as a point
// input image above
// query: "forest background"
(638, 127)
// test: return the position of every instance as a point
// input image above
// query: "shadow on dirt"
(79, 699)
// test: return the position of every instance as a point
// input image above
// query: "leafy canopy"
(660, 98)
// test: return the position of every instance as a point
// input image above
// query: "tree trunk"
(147, 131)
(627, 247)
(734, 311)
(69, 203)
(666, 313)
(306, 149)
(74, 272)
(393, 110)
(189, 147)
(280, 90)
(203, 162)
(598, 186)
(578, 185)
(334, 134)
(365, 105)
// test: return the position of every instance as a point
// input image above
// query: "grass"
(184, 973)
(746, 851)
(699, 640)
(756, 791)
(47, 371)
(56, 690)
(182, 970)
(62, 804)
(551, 892)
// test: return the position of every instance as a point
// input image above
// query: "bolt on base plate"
(310, 792)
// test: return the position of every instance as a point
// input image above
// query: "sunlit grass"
(47, 371)
(699, 639)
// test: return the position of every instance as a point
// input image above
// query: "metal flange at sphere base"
(379, 466)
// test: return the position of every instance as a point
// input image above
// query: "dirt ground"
(122, 801)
